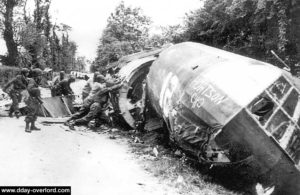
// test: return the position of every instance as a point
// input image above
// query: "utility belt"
(15, 91)
(33, 100)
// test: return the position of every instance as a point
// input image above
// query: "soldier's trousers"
(87, 113)
(84, 95)
(33, 106)
(103, 116)
(16, 98)
(84, 109)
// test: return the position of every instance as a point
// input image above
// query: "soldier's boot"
(67, 122)
(27, 128)
(10, 114)
(33, 127)
(17, 114)
(71, 125)
(92, 124)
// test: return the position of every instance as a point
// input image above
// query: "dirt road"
(90, 163)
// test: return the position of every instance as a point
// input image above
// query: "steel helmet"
(24, 71)
(37, 72)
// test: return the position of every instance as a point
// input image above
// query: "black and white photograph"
(160, 97)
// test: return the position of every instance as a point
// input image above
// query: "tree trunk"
(8, 34)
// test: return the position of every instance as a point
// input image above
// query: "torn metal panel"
(56, 107)
(140, 55)
(131, 100)
(153, 124)
(68, 101)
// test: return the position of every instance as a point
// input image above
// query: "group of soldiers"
(95, 96)
(95, 107)
(26, 80)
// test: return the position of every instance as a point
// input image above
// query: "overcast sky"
(88, 17)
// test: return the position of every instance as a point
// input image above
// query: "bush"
(7, 73)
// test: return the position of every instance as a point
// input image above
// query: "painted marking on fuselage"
(203, 90)
(169, 86)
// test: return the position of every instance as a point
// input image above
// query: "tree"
(68, 51)
(31, 38)
(248, 27)
(7, 12)
(126, 33)
(80, 64)
(42, 25)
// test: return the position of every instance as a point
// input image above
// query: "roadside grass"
(171, 165)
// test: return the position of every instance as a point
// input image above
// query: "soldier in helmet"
(89, 85)
(14, 88)
(95, 103)
(63, 87)
(55, 83)
(24, 74)
(33, 102)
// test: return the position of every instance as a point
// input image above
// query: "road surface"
(90, 163)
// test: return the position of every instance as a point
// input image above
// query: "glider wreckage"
(218, 106)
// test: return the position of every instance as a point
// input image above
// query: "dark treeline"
(248, 27)
(33, 40)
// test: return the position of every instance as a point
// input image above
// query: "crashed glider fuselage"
(226, 108)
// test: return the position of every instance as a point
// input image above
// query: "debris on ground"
(112, 137)
(51, 120)
(3, 96)
(155, 152)
(114, 130)
(178, 153)
(137, 140)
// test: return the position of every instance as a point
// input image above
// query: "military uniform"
(89, 85)
(90, 107)
(55, 82)
(33, 102)
(63, 87)
(94, 105)
(14, 89)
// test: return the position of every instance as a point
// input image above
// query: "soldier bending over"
(95, 104)
(14, 89)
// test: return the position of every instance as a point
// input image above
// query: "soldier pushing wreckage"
(63, 87)
(89, 85)
(95, 105)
